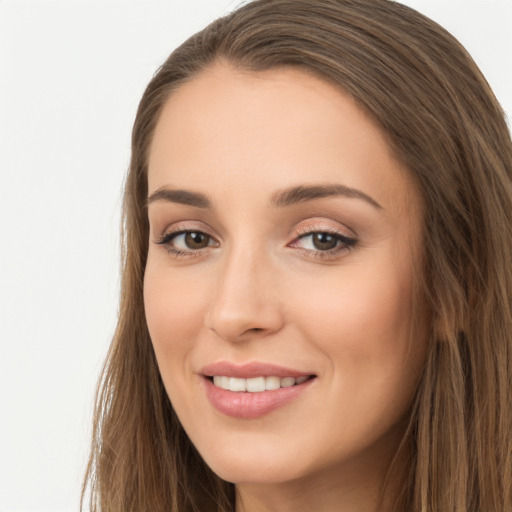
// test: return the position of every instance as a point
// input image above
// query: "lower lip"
(247, 405)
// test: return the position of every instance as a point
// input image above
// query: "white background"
(71, 75)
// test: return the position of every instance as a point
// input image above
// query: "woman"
(316, 295)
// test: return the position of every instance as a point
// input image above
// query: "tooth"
(287, 382)
(236, 384)
(221, 381)
(272, 383)
(256, 384)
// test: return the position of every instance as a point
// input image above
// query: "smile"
(253, 390)
(256, 384)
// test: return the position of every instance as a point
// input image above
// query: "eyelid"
(169, 234)
(183, 227)
(345, 241)
(323, 226)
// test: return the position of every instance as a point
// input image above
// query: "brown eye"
(196, 240)
(324, 241)
(187, 242)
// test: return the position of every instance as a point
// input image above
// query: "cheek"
(361, 321)
(173, 308)
(367, 311)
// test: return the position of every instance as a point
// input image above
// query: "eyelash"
(344, 243)
(168, 237)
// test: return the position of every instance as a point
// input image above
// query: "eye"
(323, 243)
(186, 242)
(191, 240)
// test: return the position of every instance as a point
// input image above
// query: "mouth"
(253, 390)
(257, 384)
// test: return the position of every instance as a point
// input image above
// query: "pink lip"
(245, 405)
(248, 370)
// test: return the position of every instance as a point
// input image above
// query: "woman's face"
(283, 241)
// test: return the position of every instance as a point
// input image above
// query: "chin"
(257, 466)
(275, 461)
(245, 472)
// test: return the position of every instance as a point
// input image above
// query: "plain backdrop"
(71, 75)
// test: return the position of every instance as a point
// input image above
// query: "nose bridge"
(244, 301)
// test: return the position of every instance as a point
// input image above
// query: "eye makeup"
(319, 239)
(313, 239)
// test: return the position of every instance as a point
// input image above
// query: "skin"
(260, 290)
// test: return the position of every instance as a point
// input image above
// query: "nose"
(245, 303)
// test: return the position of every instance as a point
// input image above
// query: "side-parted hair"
(444, 123)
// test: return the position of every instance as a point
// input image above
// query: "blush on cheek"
(170, 326)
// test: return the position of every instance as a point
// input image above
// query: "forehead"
(275, 128)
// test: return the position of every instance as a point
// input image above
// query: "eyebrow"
(282, 198)
(179, 196)
(301, 194)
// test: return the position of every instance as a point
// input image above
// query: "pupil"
(324, 241)
(196, 240)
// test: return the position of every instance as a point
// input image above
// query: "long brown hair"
(446, 126)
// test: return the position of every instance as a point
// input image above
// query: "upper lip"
(248, 370)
